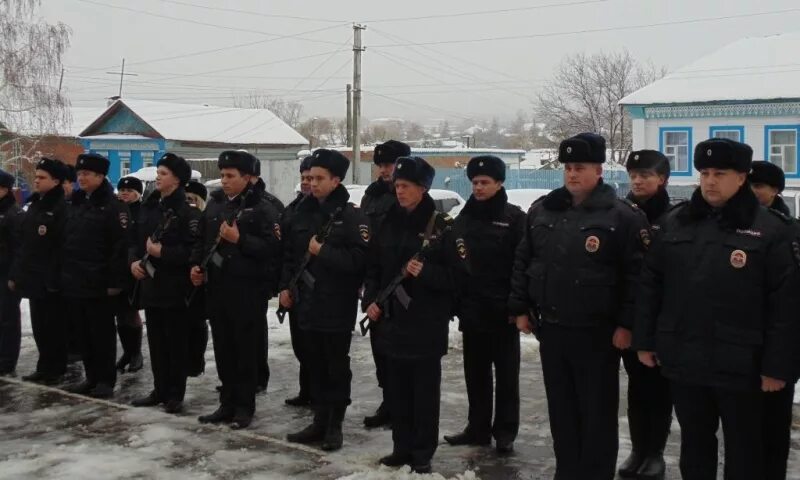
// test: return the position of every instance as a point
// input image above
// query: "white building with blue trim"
(747, 91)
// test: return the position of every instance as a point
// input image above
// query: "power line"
(482, 12)
(592, 30)
(251, 12)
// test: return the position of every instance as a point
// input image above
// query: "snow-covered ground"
(46, 433)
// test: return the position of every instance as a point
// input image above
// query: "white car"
(524, 197)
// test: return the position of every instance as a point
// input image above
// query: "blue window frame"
(676, 144)
(733, 132)
(781, 144)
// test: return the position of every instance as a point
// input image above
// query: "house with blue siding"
(135, 133)
(747, 91)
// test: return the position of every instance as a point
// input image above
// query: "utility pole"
(122, 74)
(349, 141)
(61, 80)
(357, 49)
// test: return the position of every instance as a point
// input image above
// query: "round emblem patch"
(569, 149)
(42, 230)
(738, 259)
(592, 244)
(709, 152)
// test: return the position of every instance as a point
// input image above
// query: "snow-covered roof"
(756, 68)
(206, 123)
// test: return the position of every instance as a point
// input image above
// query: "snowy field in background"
(47, 434)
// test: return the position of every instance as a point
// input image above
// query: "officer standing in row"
(94, 271)
(649, 402)
(36, 270)
(335, 234)
(197, 334)
(69, 183)
(490, 228)
(167, 232)
(767, 181)
(415, 241)
(129, 322)
(576, 268)
(717, 309)
(73, 335)
(10, 321)
(303, 398)
(240, 236)
(378, 200)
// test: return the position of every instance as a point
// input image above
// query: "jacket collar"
(492, 208)
(172, 202)
(779, 205)
(99, 197)
(48, 199)
(653, 207)
(248, 195)
(417, 219)
(8, 201)
(378, 188)
(602, 197)
(739, 212)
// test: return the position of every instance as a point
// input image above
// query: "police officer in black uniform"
(73, 334)
(69, 182)
(303, 398)
(767, 181)
(129, 322)
(327, 294)
(717, 310)
(10, 322)
(197, 333)
(95, 271)
(378, 200)
(414, 321)
(649, 402)
(36, 269)
(240, 235)
(576, 269)
(167, 232)
(490, 228)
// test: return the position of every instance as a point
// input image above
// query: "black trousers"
(482, 350)
(581, 377)
(699, 410)
(263, 351)
(328, 355)
(649, 405)
(414, 394)
(381, 363)
(197, 334)
(777, 423)
(10, 327)
(98, 337)
(169, 347)
(235, 329)
(49, 333)
(298, 346)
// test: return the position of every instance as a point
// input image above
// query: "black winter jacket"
(491, 231)
(378, 199)
(96, 240)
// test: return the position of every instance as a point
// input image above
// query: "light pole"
(311, 140)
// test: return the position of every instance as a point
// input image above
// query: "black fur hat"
(583, 148)
(94, 162)
(767, 173)
(723, 153)
(132, 183)
(332, 160)
(197, 188)
(6, 179)
(414, 169)
(648, 160)
(177, 165)
(487, 165)
(55, 168)
(390, 151)
(238, 159)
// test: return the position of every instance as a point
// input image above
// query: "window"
(147, 159)
(731, 132)
(676, 145)
(124, 163)
(781, 144)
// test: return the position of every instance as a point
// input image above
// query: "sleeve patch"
(363, 231)
(276, 229)
(123, 220)
(461, 248)
(644, 234)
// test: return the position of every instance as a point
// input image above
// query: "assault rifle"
(145, 262)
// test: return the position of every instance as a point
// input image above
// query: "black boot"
(468, 437)
(220, 415)
(300, 400)
(124, 333)
(149, 400)
(137, 362)
(380, 418)
(653, 466)
(638, 424)
(333, 434)
(314, 432)
(396, 460)
(241, 419)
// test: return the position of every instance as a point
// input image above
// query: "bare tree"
(584, 95)
(287, 110)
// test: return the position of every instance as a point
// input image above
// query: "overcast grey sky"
(207, 52)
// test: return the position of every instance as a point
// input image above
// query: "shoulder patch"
(123, 219)
(363, 231)
(194, 226)
(276, 230)
(461, 248)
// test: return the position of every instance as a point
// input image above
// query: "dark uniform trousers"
(777, 423)
(197, 333)
(169, 346)
(328, 357)
(299, 348)
(649, 404)
(235, 329)
(263, 350)
(49, 333)
(414, 394)
(98, 337)
(381, 362)
(699, 410)
(581, 377)
(482, 350)
(10, 327)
